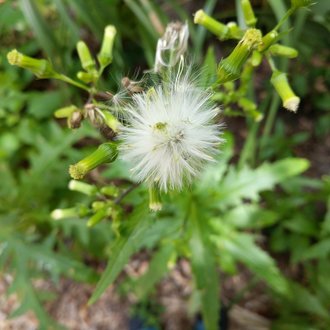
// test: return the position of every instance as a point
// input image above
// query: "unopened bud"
(105, 55)
(230, 67)
(87, 77)
(256, 58)
(40, 67)
(83, 187)
(98, 205)
(105, 153)
(285, 51)
(111, 121)
(65, 112)
(155, 203)
(289, 98)
(267, 40)
(97, 217)
(73, 212)
(217, 28)
(250, 108)
(248, 13)
(111, 191)
(86, 59)
(234, 32)
(59, 214)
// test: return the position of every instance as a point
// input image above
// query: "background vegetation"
(263, 209)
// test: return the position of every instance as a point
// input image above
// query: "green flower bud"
(280, 82)
(248, 13)
(105, 55)
(73, 212)
(83, 187)
(267, 40)
(111, 121)
(87, 77)
(250, 108)
(40, 67)
(155, 203)
(59, 214)
(87, 62)
(65, 112)
(285, 51)
(98, 205)
(217, 28)
(234, 31)
(97, 217)
(105, 153)
(230, 67)
(256, 58)
(111, 191)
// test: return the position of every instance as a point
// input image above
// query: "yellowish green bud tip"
(105, 153)
(105, 55)
(217, 28)
(14, 57)
(86, 59)
(40, 67)
(78, 171)
(230, 67)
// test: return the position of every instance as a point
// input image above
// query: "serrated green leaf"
(248, 183)
(250, 216)
(243, 248)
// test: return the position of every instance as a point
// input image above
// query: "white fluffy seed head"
(171, 135)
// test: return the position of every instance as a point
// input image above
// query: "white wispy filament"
(171, 135)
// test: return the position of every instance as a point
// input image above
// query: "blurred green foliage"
(219, 224)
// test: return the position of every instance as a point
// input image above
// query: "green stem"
(248, 153)
(275, 103)
(240, 15)
(299, 25)
(271, 63)
(284, 18)
(72, 82)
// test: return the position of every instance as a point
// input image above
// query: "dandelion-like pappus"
(171, 134)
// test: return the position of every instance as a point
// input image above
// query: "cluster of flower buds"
(104, 205)
(249, 52)
(43, 69)
(222, 31)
